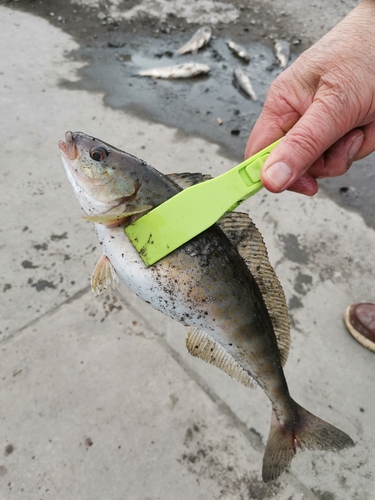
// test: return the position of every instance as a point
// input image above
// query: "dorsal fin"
(186, 179)
(201, 345)
(244, 235)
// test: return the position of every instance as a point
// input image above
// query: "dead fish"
(243, 82)
(198, 40)
(238, 50)
(282, 51)
(186, 70)
(221, 284)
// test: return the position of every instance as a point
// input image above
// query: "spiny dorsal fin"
(244, 235)
(187, 179)
(103, 276)
(201, 345)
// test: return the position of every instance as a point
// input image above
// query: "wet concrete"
(115, 50)
(209, 106)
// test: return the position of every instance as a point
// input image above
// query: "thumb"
(308, 139)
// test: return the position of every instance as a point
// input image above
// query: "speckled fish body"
(243, 82)
(198, 40)
(234, 302)
(186, 70)
(238, 50)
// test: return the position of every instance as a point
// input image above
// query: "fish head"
(103, 177)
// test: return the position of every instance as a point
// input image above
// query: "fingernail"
(354, 148)
(279, 174)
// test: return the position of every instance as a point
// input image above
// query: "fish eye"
(98, 153)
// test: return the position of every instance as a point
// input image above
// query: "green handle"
(196, 208)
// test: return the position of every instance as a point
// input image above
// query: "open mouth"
(69, 148)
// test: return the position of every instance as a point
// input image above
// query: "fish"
(186, 70)
(197, 41)
(243, 83)
(282, 51)
(238, 50)
(220, 284)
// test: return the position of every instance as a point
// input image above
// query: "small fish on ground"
(185, 70)
(220, 283)
(282, 51)
(243, 82)
(198, 40)
(238, 50)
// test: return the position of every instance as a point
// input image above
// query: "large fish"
(220, 283)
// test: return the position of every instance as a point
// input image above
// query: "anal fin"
(202, 345)
(103, 276)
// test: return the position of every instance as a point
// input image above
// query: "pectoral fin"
(115, 219)
(103, 276)
(202, 345)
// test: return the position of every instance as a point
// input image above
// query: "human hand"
(325, 104)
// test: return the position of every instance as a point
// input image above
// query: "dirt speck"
(27, 264)
(88, 442)
(41, 285)
(58, 237)
(8, 449)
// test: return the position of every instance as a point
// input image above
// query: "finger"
(338, 158)
(306, 185)
(277, 117)
(368, 145)
(312, 135)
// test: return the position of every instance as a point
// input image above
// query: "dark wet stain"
(294, 302)
(188, 436)
(27, 264)
(7, 286)
(8, 450)
(58, 237)
(41, 285)
(3, 470)
(324, 495)
(293, 250)
(193, 105)
(302, 283)
(257, 490)
(43, 246)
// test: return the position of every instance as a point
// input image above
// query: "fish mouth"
(69, 148)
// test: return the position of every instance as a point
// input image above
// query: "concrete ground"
(99, 398)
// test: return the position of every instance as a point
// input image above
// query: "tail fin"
(309, 432)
